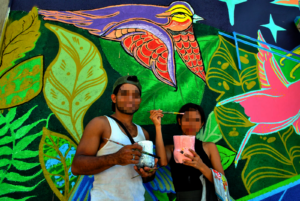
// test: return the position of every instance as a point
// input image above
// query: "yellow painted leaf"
(19, 38)
(231, 117)
(74, 80)
(21, 83)
(271, 159)
(223, 75)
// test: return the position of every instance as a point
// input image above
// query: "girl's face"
(191, 122)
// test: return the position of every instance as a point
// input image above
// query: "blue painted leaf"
(56, 155)
(81, 191)
(162, 183)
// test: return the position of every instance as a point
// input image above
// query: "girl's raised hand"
(155, 116)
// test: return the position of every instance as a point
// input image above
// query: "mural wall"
(58, 65)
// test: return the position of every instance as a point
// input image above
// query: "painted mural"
(57, 68)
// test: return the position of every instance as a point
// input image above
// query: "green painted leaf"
(10, 188)
(4, 129)
(18, 122)
(22, 83)
(4, 162)
(24, 142)
(5, 140)
(11, 114)
(212, 131)
(25, 129)
(12, 176)
(12, 199)
(21, 165)
(56, 155)
(5, 151)
(25, 154)
(74, 80)
(208, 45)
(2, 172)
(227, 156)
(155, 94)
(2, 120)
(289, 68)
(161, 196)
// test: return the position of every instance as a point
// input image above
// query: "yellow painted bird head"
(181, 15)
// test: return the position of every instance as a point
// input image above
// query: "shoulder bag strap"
(126, 131)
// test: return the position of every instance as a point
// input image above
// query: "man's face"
(128, 99)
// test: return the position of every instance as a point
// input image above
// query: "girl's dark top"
(186, 178)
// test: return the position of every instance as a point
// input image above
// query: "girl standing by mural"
(186, 175)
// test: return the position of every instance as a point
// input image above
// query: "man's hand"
(129, 154)
(146, 172)
(155, 116)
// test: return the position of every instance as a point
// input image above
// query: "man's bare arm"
(87, 163)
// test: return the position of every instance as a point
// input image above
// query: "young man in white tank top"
(113, 165)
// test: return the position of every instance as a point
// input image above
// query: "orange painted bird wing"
(189, 51)
(152, 53)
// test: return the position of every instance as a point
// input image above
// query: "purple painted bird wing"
(149, 44)
(136, 27)
(99, 21)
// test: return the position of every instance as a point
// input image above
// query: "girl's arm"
(215, 158)
(155, 116)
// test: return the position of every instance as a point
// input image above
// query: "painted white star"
(273, 28)
(231, 6)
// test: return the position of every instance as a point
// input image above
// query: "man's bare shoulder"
(97, 124)
(100, 120)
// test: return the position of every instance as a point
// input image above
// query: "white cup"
(145, 159)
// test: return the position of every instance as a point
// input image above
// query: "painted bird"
(146, 32)
(275, 106)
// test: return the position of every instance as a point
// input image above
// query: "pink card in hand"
(182, 144)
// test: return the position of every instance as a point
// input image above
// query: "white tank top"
(115, 183)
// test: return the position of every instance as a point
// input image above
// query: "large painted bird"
(148, 33)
